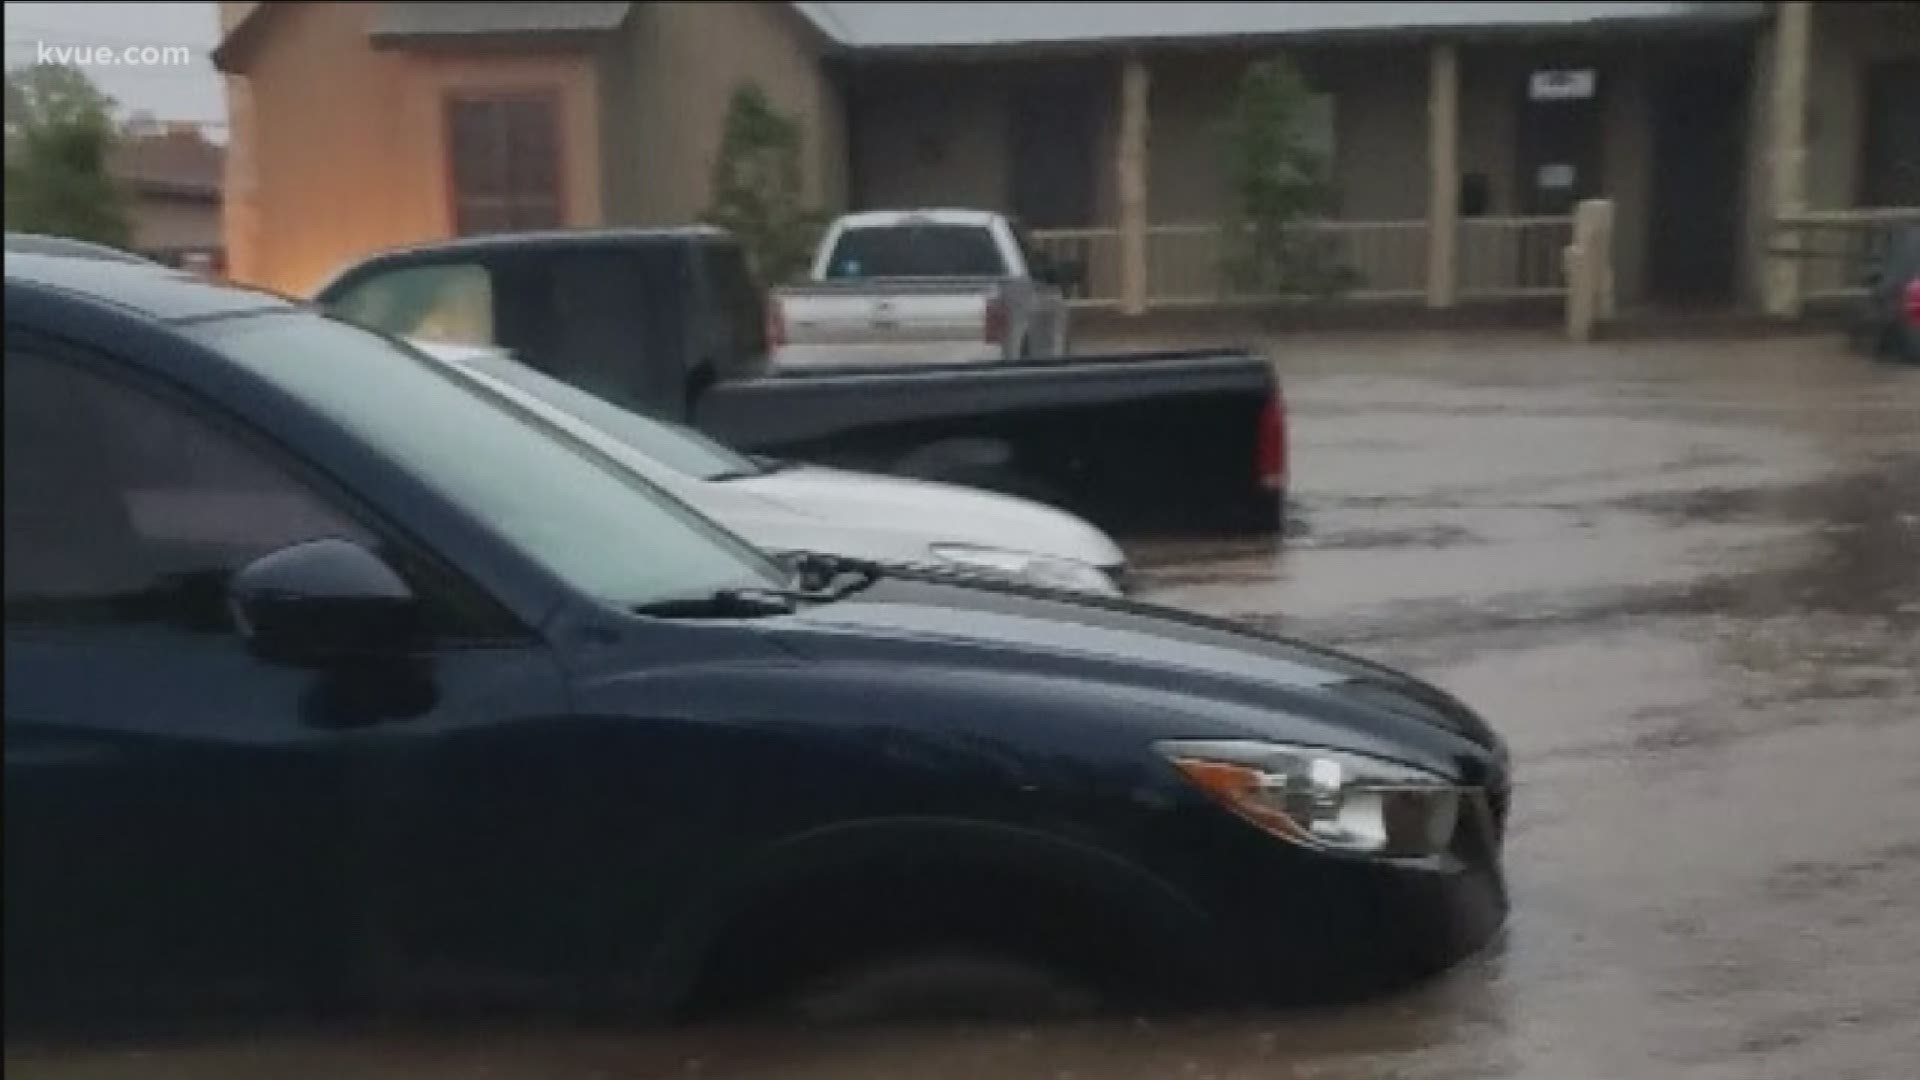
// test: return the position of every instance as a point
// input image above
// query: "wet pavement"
(1683, 578)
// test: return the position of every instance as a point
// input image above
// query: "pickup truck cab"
(938, 286)
(669, 322)
(793, 509)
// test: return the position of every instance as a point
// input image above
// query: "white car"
(787, 508)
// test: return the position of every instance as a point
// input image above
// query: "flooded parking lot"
(1683, 578)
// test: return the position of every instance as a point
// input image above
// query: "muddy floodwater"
(1683, 578)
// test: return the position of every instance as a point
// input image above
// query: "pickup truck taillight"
(776, 323)
(993, 328)
(1271, 444)
(1912, 300)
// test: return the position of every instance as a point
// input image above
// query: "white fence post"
(1589, 267)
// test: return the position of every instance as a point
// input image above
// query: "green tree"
(60, 135)
(757, 186)
(1278, 181)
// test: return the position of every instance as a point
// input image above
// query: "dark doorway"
(1890, 155)
(1053, 125)
(1698, 120)
(1559, 140)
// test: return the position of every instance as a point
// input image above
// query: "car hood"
(913, 514)
(1185, 663)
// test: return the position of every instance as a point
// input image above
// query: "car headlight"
(1049, 571)
(1327, 798)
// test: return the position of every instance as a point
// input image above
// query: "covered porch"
(1456, 160)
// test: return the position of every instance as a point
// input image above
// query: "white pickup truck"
(921, 286)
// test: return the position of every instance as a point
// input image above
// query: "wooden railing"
(1500, 258)
(1513, 257)
(1095, 252)
(1384, 260)
(1837, 248)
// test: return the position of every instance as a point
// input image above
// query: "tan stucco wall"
(1847, 40)
(1380, 131)
(239, 210)
(679, 64)
(1188, 105)
(344, 145)
(939, 141)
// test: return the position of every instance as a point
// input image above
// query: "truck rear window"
(915, 251)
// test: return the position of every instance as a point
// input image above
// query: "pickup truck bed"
(668, 322)
(1146, 442)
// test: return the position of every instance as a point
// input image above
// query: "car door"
(186, 822)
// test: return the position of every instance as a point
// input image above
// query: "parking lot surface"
(1682, 577)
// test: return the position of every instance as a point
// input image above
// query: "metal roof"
(459, 20)
(884, 26)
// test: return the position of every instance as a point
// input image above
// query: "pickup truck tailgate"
(897, 313)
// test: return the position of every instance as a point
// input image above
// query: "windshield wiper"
(818, 579)
(830, 577)
(723, 604)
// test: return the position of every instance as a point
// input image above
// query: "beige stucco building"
(340, 114)
(1460, 136)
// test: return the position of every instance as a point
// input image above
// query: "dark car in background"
(669, 322)
(1890, 315)
(329, 681)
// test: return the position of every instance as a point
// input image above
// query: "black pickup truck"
(670, 322)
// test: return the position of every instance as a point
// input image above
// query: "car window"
(592, 523)
(451, 303)
(122, 507)
(925, 250)
(678, 448)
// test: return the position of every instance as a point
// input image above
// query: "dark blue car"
(330, 681)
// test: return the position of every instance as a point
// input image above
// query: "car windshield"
(679, 448)
(597, 526)
(921, 250)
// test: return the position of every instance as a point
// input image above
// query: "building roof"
(864, 27)
(469, 20)
(175, 160)
(394, 23)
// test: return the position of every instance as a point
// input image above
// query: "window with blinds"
(505, 161)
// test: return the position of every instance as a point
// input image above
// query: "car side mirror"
(323, 603)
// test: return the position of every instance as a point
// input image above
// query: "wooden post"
(1600, 227)
(1589, 268)
(1787, 147)
(1131, 163)
(1443, 179)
